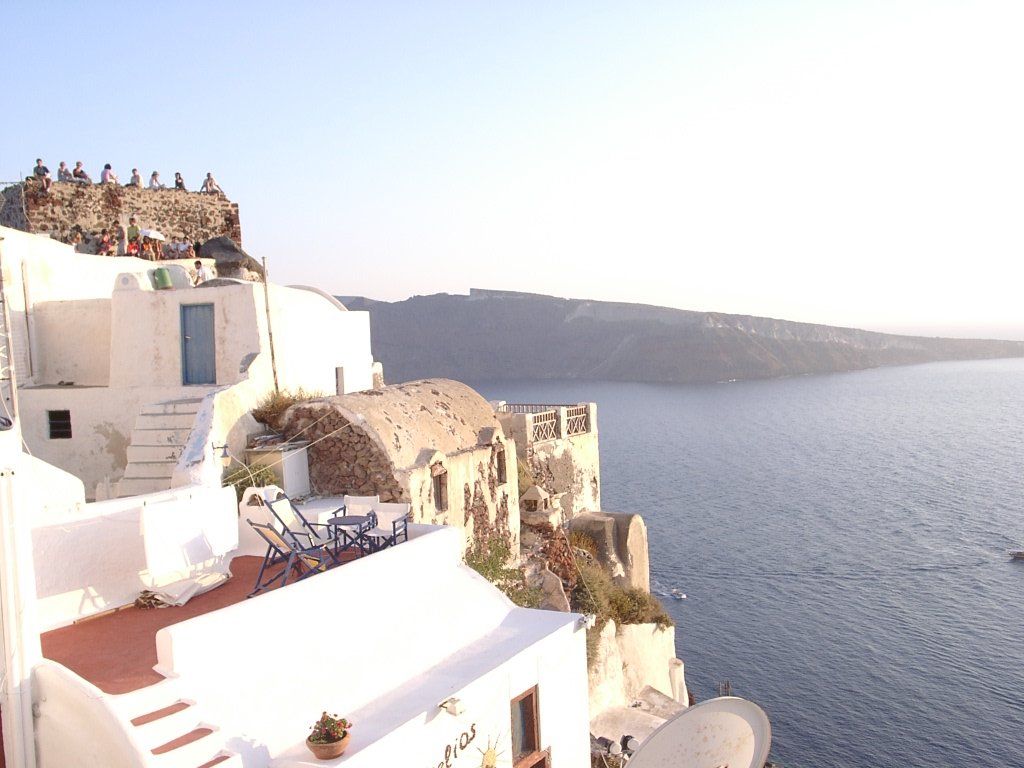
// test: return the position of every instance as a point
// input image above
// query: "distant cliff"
(504, 335)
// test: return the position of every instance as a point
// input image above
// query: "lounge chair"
(392, 526)
(285, 547)
(291, 517)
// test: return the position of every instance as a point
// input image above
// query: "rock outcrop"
(621, 541)
(87, 209)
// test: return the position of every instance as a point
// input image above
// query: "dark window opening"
(526, 751)
(60, 424)
(440, 488)
(502, 469)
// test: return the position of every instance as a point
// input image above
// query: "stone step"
(157, 470)
(164, 420)
(199, 752)
(161, 730)
(136, 486)
(153, 453)
(159, 436)
(184, 405)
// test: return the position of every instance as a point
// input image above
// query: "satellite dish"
(727, 732)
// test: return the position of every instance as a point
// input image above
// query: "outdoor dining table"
(349, 530)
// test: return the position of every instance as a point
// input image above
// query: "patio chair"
(392, 526)
(360, 505)
(285, 548)
(291, 518)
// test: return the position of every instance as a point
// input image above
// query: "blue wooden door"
(198, 358)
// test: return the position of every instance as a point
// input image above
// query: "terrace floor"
(116, 651)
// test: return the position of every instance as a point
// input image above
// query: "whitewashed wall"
(313, 335)
(93, 557)
(628, 658)
(447, 620)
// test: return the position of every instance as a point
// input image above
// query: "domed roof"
(416, 419)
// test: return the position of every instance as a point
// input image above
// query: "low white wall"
(382, 641)
(93, 557)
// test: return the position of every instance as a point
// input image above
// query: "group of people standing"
(107, 176)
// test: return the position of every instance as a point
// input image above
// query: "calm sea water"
(843, 543)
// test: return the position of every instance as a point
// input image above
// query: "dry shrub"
(598, 594)
(271, 408)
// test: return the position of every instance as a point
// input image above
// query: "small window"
(60, 424)
(499, 457)
(440, 478)
(526, 751)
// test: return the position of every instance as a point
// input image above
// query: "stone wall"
(71, 207)
(343, 457)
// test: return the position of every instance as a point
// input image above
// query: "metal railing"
(551, 422)
(577, 420)
(545, 426)
(527, 408)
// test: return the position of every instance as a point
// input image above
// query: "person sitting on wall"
(134, 247)
(64, 173)
(179, 183)
(42, 174)
(80, 175)
(136, 179)
(203, 273)
(154, 181)
(107, 245)
(210, 186)
(108, 176)
(148, 252)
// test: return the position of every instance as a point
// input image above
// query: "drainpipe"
(270, 332)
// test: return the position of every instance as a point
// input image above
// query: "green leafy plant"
(490, 559)
(329, 729)
(250, 476)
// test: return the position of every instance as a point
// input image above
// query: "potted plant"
(329, 737)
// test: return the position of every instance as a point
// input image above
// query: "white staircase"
(161, 431)
(159, 715)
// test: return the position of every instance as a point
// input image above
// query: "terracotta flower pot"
(329, 750)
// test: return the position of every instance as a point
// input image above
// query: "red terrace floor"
(116, 651)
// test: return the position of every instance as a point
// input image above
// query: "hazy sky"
(851, 163)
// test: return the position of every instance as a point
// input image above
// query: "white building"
(386, 640)
(127, 385)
